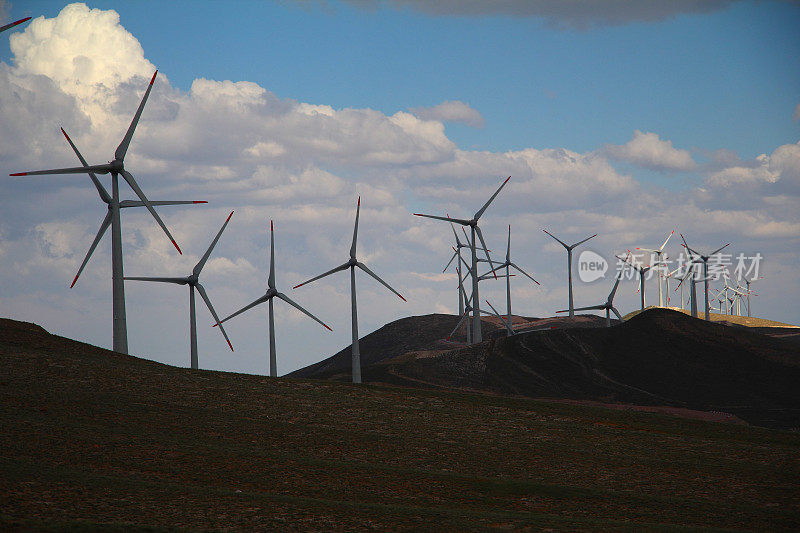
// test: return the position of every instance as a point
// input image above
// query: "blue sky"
(632, 122)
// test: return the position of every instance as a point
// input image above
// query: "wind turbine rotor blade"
(614, 289)
(584, 240)
(495, 313)
(138, 203)
(177, 281)
(446, 219)
(718, 250)
(451, 260)
(329, 272)
(461, 321)
(103, 227)
(508, 247)
(556, 238)
(614, 310)
(100, 169)
(666, 241)
(245, 308)
(8, 26)
(363, 267)
(587, 308)
(99, 186)
(485, 249)
(122, 149)
(455, 234)
(524, 273)
(200, 264)
(133, 185)
(271, 278)
(299, 308)
(355, 230)
(207, 300)
(482, 209)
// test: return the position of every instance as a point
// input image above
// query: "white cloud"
(781, 168)
(451, 111)
(649, 151)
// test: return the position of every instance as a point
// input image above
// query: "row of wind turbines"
(468, 304)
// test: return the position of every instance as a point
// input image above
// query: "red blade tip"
(359, 200)
(215, 325)
(74, 281)
(508, 178)
(65, 134)
(403, 298)
(19, 174)
(296, 286)
(326, 327)
(229, 217)
(153, 78)
(229, 344)
(270, 226)
(177, 247)
(199, 202)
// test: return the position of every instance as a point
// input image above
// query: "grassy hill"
(94, 440)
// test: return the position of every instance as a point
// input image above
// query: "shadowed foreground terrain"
(657, 358)
(94, 440)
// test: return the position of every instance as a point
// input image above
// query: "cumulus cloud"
(451, 111)
(781, 168)
(580, 14)
(649, 151)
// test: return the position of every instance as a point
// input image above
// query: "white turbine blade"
(466, 265)
(207, 300)
(556, 238)
(455, 234)
(584, 240)
(614, 310)
(587, 308)
(132, 182)
(271, 278)
(451, 260)
(447, 219)
(100, 189)
(363, 267)
(495, 313)
(178, 281)
(524, 273)
(137, 203)
(103, 227)
(718, 250)
(648, 250)
(331, 271)
(200, 264)
(254, 303)
(482, 209)
(465, 315)
(508, 247)
(297, 306)
(355, 230)
(122, 149)
(100, 169)
(666, 241)
(483, 243)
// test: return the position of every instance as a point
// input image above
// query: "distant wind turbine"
(569, 265)
(268, 296)
(352, 263)
(116, 168)
(194, 283)
(659, 252)
(608, 306)
(704, 259)
(476, 235)
(507, 265)
(642, 270)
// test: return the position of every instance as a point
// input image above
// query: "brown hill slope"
(659, 357)
(93, 440)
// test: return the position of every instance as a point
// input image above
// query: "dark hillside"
(94, 440)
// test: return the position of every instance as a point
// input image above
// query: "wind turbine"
(457, 253)
(659, 253)
(507, 265)
(117, 168)
(608, 306)
(9, 26)
(476, 231)
(667, 277)
(271, 293)
(352, 263)
(748, 282)
(692, 288)
(569, 265)
(193, 282)
(704, 259)
(642, 270)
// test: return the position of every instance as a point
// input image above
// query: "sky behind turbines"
(624, 119)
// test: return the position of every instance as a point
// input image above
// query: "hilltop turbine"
(457, 253)
(608, 306)
(507, 265)
(193, 282)
(476, 232)
(116, 168)
(271, 293)
(642, 270)
(659, 253)
(704, 259)
(748, 282)
(692, 289)
(352, 263)
(569, 265)
(9, 26)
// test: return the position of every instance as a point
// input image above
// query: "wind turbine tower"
(704, 259)
(476, 235)
(117, 168)
(569, 265)
(351, 264)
